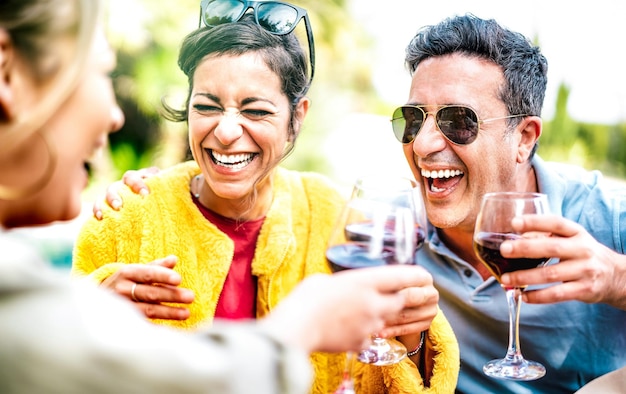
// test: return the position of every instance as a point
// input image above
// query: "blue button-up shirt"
(577, 342)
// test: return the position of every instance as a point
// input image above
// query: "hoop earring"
(10, 193)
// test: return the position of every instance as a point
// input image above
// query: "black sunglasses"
(274, 16)
(458, 123)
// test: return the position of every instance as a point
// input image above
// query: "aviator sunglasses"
(458, 123)
(274, 16)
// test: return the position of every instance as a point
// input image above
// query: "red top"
(238, 297)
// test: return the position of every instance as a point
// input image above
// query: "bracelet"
(419, 346)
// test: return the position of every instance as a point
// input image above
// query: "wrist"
(418, 348)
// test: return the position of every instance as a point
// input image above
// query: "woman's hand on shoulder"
(134, 180)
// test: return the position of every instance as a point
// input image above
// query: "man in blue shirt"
(471, 126)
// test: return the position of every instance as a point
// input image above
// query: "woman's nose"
(229, 127)
(117, 118)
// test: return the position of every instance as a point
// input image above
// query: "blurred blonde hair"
(37, 28)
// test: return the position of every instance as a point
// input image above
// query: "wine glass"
(379, 225)
(493, 226)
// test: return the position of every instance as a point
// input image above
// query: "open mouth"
(442, 180)
(234, 162)
(89, 168)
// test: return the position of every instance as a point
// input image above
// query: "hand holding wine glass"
(378, 226)
(493, 226)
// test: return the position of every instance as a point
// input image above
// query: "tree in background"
(593, 146)
(147, 72)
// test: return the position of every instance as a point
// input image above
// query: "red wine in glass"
(494, 226)
(355, 252)
(382, 223)
(487, 247)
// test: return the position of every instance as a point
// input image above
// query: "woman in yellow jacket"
(245, 231)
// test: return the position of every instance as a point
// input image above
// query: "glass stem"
(514, 300)
(380, 343)
(347, 384)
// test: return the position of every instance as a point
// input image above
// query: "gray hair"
(525, 68)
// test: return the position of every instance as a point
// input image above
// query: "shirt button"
(467, 273)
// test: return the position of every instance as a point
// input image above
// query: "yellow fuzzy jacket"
(290, 246)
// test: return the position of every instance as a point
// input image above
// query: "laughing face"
(239, 128)
(455, 177)
(82, 124)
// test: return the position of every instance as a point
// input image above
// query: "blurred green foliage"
(147, 72)
(593, 146)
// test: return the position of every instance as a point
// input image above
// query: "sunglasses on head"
(458, 123)
(274, 16)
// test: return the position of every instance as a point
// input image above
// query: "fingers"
(393, 278)
(349, 304)
(559, 293)
(155, 301)
(557, 225)
(412, 299)
(420, 296)
(542, 275)
(112, 196)
(412, 321)
(134, 179)
(133, 296)
(150, 298)
(166, 312)
(421, 307)
(562, 243)
(151, 286)
(97, 210)
(576, 281)
(568, 242)
(586, 270)
(155, 294)
(157, 272)
(167, 262)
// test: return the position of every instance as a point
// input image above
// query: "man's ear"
(530, 129)
(7, 63)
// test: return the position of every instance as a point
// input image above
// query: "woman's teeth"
(232, 161)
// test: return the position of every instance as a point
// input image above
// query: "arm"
(587, 270)
(103, 345)
(75, 341)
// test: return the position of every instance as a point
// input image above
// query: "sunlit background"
(582, 41)
(360, 78)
